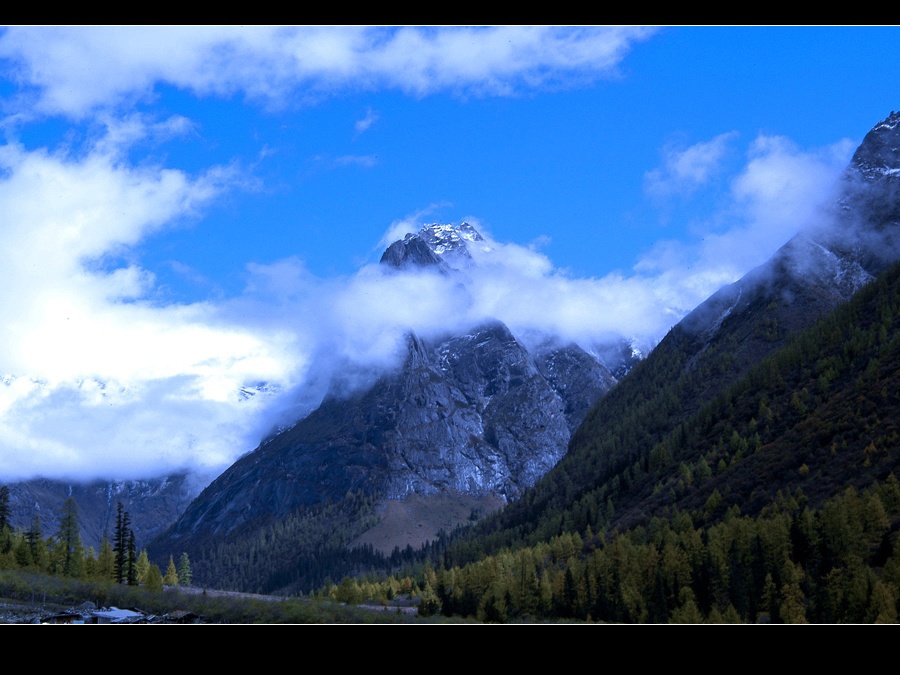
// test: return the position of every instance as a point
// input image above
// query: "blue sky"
(189, 212)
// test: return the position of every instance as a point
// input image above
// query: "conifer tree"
(125, 550)
(154, 580)
(23, 553)
(131, 564)
(6, 541)
(185, 575)
(40, 556)
(120, 543)
(141, 566)
(106, 561)
(89, 567)
(171, 578)
(70, 554)
(4, 507)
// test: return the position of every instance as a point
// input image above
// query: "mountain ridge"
(478, 413)
(627, 436)
(454, 414)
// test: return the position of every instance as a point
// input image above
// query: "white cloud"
(782, 183)
(96, 378)
(94, 374)
(76, 71)
(362, 161)
(684, 170)
(363, 125)
(121, 133)
(781, 190)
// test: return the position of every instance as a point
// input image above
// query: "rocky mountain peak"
(817, 269)
(449, 238)
(878, 157)
(437, 245)
(479, 414)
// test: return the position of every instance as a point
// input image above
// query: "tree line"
(791, 564)
(118, 561)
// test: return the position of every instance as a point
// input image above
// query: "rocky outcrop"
(152, 505)
(474, 414)
(469, 414)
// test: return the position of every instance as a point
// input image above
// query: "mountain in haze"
(775, 501)
(631, 457)
(784, 381)
(724, 386)
(152, 504)
(746, 471)
(474, 417)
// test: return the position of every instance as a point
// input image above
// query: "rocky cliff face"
(479, 413)
(152, 505)
(441, 246)
(475, 414)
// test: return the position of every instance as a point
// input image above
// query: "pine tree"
(6, 541)
(120, 543)
(4, 507)
(40, 556)
(185, 575)
(23, 553)
(124, 546)
(131, 564)
(89, 568)
(154, 581)
(106, 561)
(70, 554)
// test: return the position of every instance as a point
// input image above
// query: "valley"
(744, 470)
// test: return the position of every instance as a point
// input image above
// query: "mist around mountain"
(775, 499)
(636, 455)
(744, 471)
(156, 503)
(470, 419)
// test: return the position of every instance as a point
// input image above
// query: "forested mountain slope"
(775, 501)
(622, 459)
(473, 416)
(818, 415)
(752, 395)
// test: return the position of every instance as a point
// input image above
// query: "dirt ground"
(418, 519)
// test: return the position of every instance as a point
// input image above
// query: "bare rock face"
(442, 246)
(410, 253)
(878, 156)
(575, 377)
(473, 414)
(152, 505)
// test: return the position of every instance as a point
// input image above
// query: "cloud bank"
(100, 378)
(97, 377)
(76, 71)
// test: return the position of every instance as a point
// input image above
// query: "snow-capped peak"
(878, 157)
(891, 122)
(440, 245)
(447, 238)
